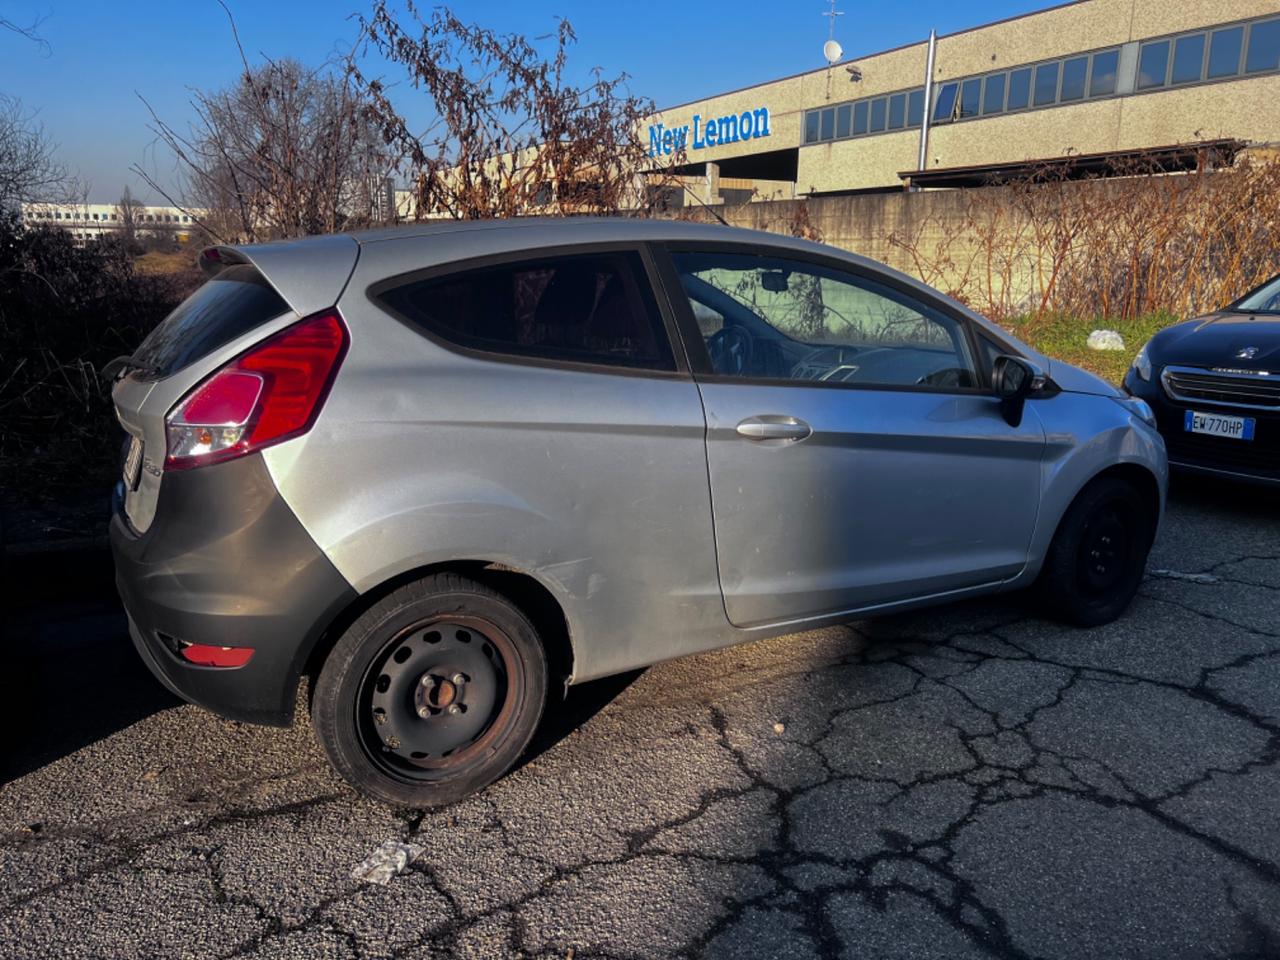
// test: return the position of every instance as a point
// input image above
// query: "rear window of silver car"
(591, 308)
(228, 306)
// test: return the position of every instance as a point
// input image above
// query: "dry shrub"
(65, 311)
(511, 134)
(1140, 243)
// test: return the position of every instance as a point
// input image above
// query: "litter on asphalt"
(386, 862)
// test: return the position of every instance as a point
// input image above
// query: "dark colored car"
(1214, 384)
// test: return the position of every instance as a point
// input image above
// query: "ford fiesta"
(446, 470)
(1214, 383)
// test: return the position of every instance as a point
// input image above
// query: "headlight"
(1138, 407)
(1142, 364)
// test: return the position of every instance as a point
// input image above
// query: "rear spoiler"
(309, 273)
(213, 260)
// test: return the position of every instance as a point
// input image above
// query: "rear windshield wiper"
(124, 362)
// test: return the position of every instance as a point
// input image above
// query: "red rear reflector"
(269, 394)
(209, 656)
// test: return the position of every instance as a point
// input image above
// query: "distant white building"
(91, 221)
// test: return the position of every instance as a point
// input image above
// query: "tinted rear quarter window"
(228, 306)
(589, 308)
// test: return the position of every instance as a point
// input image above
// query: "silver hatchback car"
(449, 469)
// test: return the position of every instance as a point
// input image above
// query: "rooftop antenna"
(831, 50)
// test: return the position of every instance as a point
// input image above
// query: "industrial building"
(92, 221)
(1094, 84)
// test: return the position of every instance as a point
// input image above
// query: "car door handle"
(774, 428)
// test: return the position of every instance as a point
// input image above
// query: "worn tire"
(386, 708)
(1098, 555)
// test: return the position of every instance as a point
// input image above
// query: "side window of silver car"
(785, 319)
(593, 308)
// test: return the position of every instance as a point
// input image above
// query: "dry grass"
(165, 262)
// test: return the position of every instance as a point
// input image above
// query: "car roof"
(564, 231)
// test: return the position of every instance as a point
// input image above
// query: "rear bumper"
(1253, 461)
(226, 563)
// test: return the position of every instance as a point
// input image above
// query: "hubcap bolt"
(423, 712)
(459, 679)
(453, 708)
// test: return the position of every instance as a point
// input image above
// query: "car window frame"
(700, 360)
(648, 278)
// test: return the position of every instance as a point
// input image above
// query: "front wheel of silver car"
(432, 694)
(1095, 563)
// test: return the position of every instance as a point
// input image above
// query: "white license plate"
(132, 463)
(1217, 425)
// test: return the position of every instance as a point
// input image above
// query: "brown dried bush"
(1141, 243)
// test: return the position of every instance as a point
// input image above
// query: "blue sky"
(101, 55)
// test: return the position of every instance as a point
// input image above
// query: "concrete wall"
(860, 224)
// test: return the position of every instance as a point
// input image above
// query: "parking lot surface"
(963, 782)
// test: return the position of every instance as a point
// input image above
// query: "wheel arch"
(531, 595)
(1137, 475)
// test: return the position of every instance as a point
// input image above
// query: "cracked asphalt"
(969, 781)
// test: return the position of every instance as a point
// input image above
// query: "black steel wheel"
(432, 694)
(1095, 563)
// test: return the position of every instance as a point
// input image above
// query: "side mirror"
(1013, 379)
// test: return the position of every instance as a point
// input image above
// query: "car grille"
(1259, 391)
(1221, 454)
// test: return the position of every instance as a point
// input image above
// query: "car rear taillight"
(269, 394)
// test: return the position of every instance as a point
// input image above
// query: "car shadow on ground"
(580, 704)
(71, 675)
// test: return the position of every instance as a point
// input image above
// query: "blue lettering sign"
(714, 132)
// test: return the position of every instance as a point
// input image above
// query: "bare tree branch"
(30, 32)
(28, 171)
(511, 135)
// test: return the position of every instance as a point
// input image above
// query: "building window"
(915, 108)
(897, 111)
(1046, 90)
(1153, 65)
(993, 94)
(970, 97)
(1225, 48)
(811, 120)
(1102, 79)
(1073, 77)
(946, 105)
(843, 116)
(1019, 89)
(860, 117)
(878, 111)
(1188, 59)
(828, 124)
(1264, 47)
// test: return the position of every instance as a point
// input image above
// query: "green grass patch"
(1063, 337)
